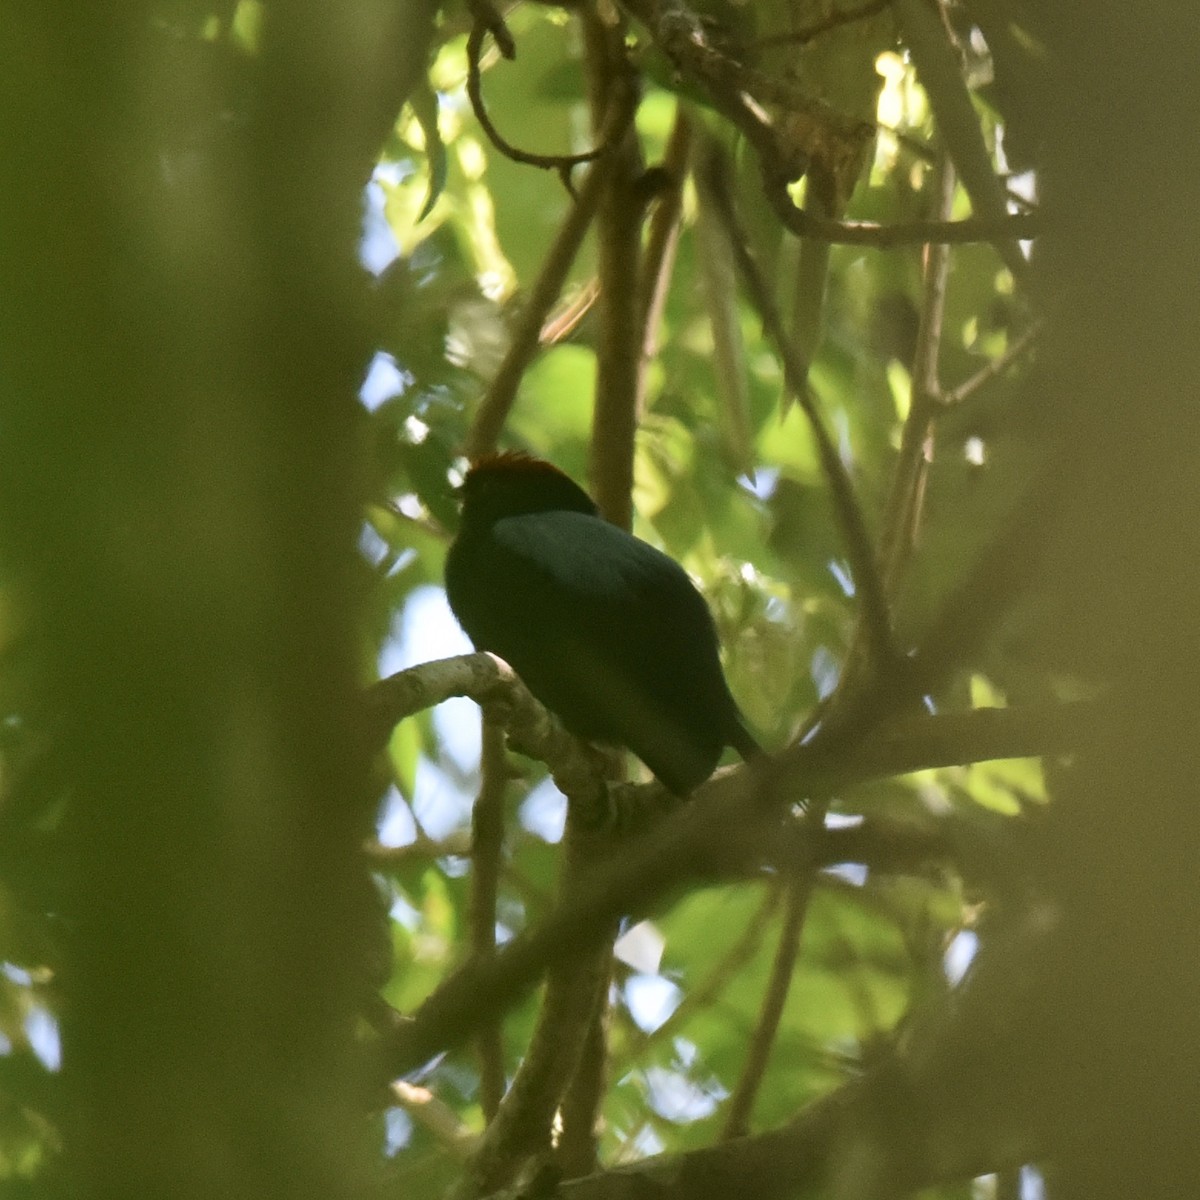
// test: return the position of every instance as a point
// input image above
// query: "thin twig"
(577, 1150)
(486, 15)
(902, 515)
(487, 839)
(575, 986)
(717, 270)
(930, 154)
(933, 50)
(702, 995)
(997, 366)
(565, 320)
(425, 849)
(812, 269)
(849, 514)
(809, 33)
(548, 162)
(1011, 227)
(425, 524)
(502, 391)
(903, 508)
(741, 1103)
(662, 237)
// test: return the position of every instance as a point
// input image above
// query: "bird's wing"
(598, 567)
(595, 584)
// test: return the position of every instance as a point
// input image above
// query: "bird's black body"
(609, 633)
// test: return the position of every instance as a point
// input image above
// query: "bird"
(609, 633)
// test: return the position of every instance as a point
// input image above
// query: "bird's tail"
(743, 741)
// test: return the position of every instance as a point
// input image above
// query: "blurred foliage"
(459, 233)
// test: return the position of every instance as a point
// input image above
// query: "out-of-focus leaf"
(729, 353)
(553, 412)
(404, 750)
(424, 103)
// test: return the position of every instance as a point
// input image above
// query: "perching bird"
(607, 632)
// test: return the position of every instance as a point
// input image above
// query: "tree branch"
(1008, 228)
(490, 681)
(575, 990)
(658, 260)
(718, 825)
(549, 162)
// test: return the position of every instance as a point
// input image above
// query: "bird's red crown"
(513, 482)
(514, 461)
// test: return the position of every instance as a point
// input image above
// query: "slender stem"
(663, 235)
(741, 1103)
(618, 230)
(912, 467)
(998, 365)
(475, 94)
(502, 392)
(487, 839)
(708, 990)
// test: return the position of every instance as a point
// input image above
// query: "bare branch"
(658, 259)
(998, 365)
(835, 20)
(908, 482)
(575, 990)
(548, 162)
(1008, 228)
(931, 46)
(487, 16)
(424, 849)
(434, 1115)
(490, 681)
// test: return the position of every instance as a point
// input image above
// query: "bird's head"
(513, 484)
